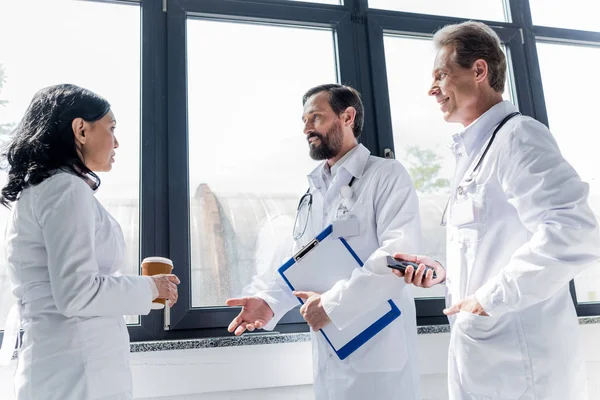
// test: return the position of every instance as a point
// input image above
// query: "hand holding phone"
(401, 266)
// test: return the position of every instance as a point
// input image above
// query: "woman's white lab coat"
(63, 251)
(517, 234)
(386, 206)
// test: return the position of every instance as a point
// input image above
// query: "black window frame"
(359, 30)
(206, 321)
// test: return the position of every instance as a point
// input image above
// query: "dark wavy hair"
(44, 141)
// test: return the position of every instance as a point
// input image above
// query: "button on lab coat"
(517, 234)
(386, 206)
(64, 249)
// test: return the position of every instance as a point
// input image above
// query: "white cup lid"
(158, 259)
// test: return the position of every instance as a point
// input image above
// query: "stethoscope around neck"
(461, 189)
(305, 206)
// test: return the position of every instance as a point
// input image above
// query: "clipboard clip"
(306, 249)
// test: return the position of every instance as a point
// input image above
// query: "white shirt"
(329, 173)
(472, 138)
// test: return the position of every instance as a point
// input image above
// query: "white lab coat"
(516, 236)
(63, 251)
(386, 206)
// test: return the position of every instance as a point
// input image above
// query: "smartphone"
(401, 265)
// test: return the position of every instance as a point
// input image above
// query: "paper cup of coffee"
(155, 266)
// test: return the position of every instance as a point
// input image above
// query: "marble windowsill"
(268, 338)
(246, 340)
(271, 338)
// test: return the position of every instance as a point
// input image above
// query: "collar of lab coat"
(88, 179)
(480, 130)
(354, 163)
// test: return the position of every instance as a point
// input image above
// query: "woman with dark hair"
(64, 250)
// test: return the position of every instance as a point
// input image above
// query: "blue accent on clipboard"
(368, 333)
(326, 232)
(351, 250)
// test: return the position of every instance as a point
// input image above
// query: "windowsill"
(253, 339)
(589, 320)
(248, 339)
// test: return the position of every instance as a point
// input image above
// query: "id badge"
(463, 212)
(346, 227)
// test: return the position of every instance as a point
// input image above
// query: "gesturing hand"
(255, 314)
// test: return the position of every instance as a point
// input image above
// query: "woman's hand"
(167, 287)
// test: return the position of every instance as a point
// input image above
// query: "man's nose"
(434, 90)
(308, 128)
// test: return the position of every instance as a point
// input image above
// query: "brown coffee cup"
(155, 266)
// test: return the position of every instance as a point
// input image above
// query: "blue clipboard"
(309, 261)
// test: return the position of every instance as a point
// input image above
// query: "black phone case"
(401, 265)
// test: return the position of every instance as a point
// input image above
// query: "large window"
(573, 14)
(571, 113)
(422, 137)
(248, 157)
(491, 10)
(207, 94)
(69, 42)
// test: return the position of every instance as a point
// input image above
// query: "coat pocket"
(489, 356)
(105, 349)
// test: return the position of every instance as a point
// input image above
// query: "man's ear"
(348, 116)
(480, 69)
(78, 126)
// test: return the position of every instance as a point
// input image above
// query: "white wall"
(277, 372)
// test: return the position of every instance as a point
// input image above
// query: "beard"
(329, 145)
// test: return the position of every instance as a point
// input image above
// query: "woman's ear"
(78, 126)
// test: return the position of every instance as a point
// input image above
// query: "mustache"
(315, 134)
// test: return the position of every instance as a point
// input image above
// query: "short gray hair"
(472, 41)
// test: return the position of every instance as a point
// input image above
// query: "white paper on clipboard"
(328, 262)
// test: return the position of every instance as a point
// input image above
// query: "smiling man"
(349, 182)
(519, 229)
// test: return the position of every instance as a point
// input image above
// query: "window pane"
(491, 10)
(78, 48)
(573, 14)
(335, 2)
(574, 125)
(421, 138)
(248, 156)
